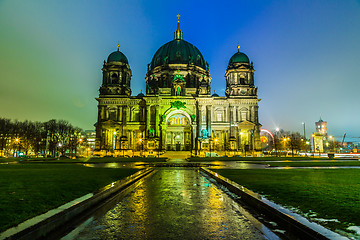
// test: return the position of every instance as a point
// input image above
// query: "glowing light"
(267, 131)
(264, 139)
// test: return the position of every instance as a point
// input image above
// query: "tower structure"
(116, 75)
(321, 127)
(178, 111)
(240, 76)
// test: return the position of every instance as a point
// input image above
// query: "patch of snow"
(325, 220)
(355, 228)
(273, 223)
(279, 231)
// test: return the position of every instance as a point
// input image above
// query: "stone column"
(118, 117)
(148, 117)
(208, 119)
(157, 121)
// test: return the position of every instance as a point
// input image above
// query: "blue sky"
(306, 54)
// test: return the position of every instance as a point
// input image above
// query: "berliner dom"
(177, 111)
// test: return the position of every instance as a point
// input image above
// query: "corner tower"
(116, 75)
(112, 102)
(240, 76)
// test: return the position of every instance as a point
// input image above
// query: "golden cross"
(238, 47)
(118, 45)
(178, 17)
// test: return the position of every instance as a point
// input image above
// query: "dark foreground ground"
(331, 194)
(174, 203)
(28, 190)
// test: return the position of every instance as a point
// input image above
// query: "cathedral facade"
(178, 112)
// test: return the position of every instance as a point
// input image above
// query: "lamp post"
(215, 142)
(210, 145)
(285, 146)
(275, 140)
(243, 147)
(253, 141)
(114, 145)
(17, 142)
(59, 148)
(133, 145)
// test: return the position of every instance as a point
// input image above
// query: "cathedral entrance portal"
(178, 132)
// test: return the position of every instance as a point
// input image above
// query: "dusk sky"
(306, 55)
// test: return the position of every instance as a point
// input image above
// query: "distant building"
(320, 141)
(178, 112)
(86, 143)
(321, 127)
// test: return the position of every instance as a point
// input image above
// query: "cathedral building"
(178, 112)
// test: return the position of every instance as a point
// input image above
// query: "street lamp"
(215, 142)
(114, 145)
(243, 149)
(210, 145)
(59, 146)
(284, 140)
(17, 142)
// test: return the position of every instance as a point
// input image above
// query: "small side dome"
(117, 56)
(215, 94)
(239, 57)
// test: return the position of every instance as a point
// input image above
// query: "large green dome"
(239, 57)
(178, 51)
(117, 56)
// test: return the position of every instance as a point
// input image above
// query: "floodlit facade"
(178, 112)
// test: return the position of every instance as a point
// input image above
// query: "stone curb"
(254, 200)
(42, 228)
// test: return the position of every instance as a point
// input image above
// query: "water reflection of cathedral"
(178, 111)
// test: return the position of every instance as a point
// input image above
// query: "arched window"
(114, 78)
(178, 119)
(178, 91)
(243, 114)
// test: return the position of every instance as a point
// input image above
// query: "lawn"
(330, 193)
(27, 190)
(209, 159)
(313, 163)
(83, 160)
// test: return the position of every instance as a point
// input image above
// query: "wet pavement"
(174, 203)
(211, 165)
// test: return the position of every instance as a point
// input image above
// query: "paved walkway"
(175, 203)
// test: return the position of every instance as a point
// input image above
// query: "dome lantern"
(178, 34)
